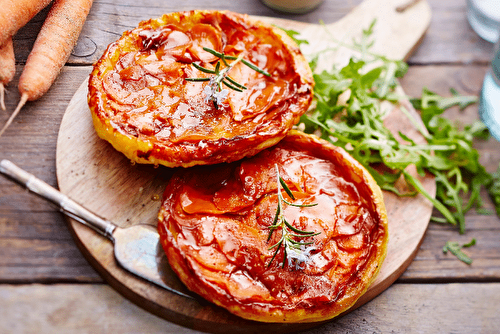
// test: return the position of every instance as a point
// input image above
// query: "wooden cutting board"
(92, 173)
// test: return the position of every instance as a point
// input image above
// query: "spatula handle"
(67, 205)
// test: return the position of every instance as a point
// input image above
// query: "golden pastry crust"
(142, 104)
(214, 225)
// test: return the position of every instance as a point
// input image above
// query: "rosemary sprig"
(292, 248)
(214, 91)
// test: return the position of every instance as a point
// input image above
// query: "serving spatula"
(137, 248)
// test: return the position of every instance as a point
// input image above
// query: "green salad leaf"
(494, 189)
(456, 249)
(348, 113)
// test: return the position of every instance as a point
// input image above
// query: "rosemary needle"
(292, 248)
(214, 91)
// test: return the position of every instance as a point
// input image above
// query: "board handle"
(65, 204)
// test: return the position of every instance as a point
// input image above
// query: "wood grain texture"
(35, 245)
(404, 308)
(450, 38)
(431, 264)
(26, 220)
(91, 172)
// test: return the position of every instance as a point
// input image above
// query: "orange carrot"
(14, 14)
(51, 50)
(7, 67)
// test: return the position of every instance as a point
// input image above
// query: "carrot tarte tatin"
(147, 100)
(296, 233)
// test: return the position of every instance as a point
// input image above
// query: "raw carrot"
(51, 50)
(14, 14)
(7, 67)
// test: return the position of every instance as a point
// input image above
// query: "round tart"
(214, 226)
(143, 102)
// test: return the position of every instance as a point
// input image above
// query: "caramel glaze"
(138, 88)
(214, 227)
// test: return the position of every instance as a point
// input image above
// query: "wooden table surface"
(47, 286)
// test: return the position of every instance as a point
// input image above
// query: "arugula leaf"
(494, 189)
(432, 99)
(348, 113)
(294, 35)
(458, 173)
(456, 249)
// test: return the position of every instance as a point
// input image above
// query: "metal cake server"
(137, 248)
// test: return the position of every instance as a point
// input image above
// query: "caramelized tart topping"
(142, 103)
(214, 226)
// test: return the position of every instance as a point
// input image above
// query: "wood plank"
(23, 216)
(467, 80)
(430, 262)
(40, 249)
(101, 169)
(107, 20)
(449, 40)
(35, 244)
(30, 141)
(403, 308)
